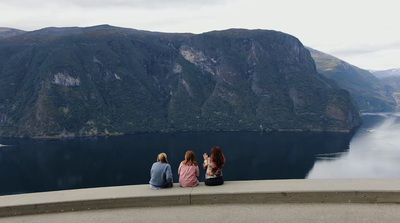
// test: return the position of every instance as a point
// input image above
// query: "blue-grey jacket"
(161, 174)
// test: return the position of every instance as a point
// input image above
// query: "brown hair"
(217, 157)
(162, 157)
(190, 159)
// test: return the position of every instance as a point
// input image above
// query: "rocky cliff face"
(106, 80)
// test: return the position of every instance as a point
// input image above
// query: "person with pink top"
(188, 170)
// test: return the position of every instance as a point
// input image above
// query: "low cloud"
(365, 49)
(115, 3)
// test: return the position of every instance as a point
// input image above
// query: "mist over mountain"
(395, 72)
(370, 93)
(103, 80)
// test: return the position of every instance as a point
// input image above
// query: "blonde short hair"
(162, 157)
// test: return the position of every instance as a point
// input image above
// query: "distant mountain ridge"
(370, 93)
(391, 79)
(9, 32)
(395, 72)
(104, 80)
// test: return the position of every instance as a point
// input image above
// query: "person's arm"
(205, 163)
(151, 174)
(197, 171)
(169, 174)
(151, 171)
(179, 169)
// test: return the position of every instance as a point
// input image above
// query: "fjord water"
(37, 165)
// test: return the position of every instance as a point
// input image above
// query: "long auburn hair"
(217, 157)
(190, 159)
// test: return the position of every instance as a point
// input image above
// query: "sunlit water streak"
(374, 152)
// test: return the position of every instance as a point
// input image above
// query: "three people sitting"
(188, 171)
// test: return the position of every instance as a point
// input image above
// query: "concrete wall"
(267, 191)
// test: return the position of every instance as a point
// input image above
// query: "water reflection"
(374, 151)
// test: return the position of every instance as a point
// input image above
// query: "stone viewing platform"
(336, 191)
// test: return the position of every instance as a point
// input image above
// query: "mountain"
(102, 80)
(391, 79)
(370, 93)
(386, 73)
(393, 83)
(8, 32)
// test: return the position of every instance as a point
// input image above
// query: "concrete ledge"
(267, 191)
(92, 199)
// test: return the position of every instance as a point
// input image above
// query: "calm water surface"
(374, 152)
(35, 165)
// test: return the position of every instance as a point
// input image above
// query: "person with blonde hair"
(213, 166)
(188, 170)
(160, 173)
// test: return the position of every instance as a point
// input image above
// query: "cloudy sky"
(365, 33)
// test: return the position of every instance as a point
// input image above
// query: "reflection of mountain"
(53, 165)
(286, 155)
(374, 151)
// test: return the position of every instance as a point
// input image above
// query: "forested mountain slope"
(68, 82)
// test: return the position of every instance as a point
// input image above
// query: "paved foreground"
(309, 213)
(325, 200)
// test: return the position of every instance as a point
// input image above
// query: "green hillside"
(370, 93)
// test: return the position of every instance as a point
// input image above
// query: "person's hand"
(205, 156)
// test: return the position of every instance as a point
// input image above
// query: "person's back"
(160, 173)
(188, 175)
(213, 166)
(188, 170)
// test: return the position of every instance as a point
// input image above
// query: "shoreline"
(66, 137)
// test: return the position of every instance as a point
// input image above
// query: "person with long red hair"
(188, 170)
(213, 166)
